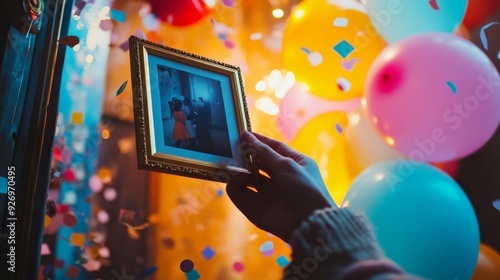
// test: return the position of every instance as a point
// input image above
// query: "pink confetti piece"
(434, 4)
(125, 46)
(126, 216)
(79, 5)
(482, 34)
(140, 34)
(106, 25)
(45, 250)
(267, 249)
(228, 3)
(229, 44)
(238, 266)
(70, 41)
(349, 64)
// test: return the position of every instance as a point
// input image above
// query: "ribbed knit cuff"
(330, 241)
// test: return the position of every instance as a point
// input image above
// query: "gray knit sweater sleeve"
(338, 244)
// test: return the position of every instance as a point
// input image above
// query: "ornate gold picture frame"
(189, 113)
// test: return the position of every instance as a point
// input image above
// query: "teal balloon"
(422, 218)
(397, 19)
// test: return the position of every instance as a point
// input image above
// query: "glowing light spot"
(255, 36)
(105, 134)
(89, 58)
(278, 13)
(260, 86)
(299, 13)
(390, 141)
(274, 79)
(266, 105)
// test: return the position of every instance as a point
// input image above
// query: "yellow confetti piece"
(77, 239)
(93, 251)
(47, 221)
(77, 118)
(154, 218)
(104, 174)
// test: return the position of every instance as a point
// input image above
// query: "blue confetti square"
(118, 15)
(208, 253)
(343, 48)
(282, 261)
(192, 275)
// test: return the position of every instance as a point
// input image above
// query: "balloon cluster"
(428, 97)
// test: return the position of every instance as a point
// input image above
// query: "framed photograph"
(189, 113)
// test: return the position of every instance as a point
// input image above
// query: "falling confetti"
(58, 263)
(47, 221)
(77, 239)
(186, 265)
(77, 118)
(122, 87)
(70, 41)
(168, 243)
(340, 22)
(72, 271)
(349, 64)
(149, 271)
(125, 46)
(69, 220)
(238, 267)
(267, 249)
(343, 84)
(496, 204)
(228, 3)
(126, 216)
(220, 192)
(452, 87)
(306, 50)
(95, 184)
(208, 253)
(69, 175)
(150, 22)
(343, 48)
(118, 15)
(193, 275)
(282, 261)
(338, 128)
(482, 34)
(140, 34)
(106, 25)
(434, 4)
(45, 250)
(229, 44)
(79, 5)
(47, 269)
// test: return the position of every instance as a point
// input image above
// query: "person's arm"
(295, 205)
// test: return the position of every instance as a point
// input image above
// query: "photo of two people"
(193, 112)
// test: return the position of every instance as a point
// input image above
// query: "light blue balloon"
(422, 218)
(397, 19)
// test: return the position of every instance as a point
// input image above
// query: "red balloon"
(179, 12)
(478, 11)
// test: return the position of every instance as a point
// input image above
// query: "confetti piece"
(496, 204)
(208, 253)
(77, 239)
(238, 267)
(62, 208)
(222, 36)
(452, 87)
(47, 269)
(186, 265)
(118, 15)
(45, 250)
(349, 64)
(482, 34)
(58, 263)
(150, 22)
(229, 44)
(72, 271)
(255, 36)
(95, 184)
(69, 220)
(106, 25)
(220, 192)
(125, 46)
(104, 174)
(306, 50)
(343, 48)
(228, 3)
(193, 275)
(282, 261)
(70, 41)
(340, 22)
(149, 271)
(315, 58)
(267, 249)
(69, 175)
(122, 87)
(79, 4)
(47, 221)
(140, 34)
(338, 128)
(343, 84)
(126, 216)
(168, 243)
(92, 265)
(77, 118)
(434, 4)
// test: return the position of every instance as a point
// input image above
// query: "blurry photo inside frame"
(189, 113)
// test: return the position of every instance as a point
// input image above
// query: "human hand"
(293, 192)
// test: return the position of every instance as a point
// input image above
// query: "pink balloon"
(435, 97)
(299, 107)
